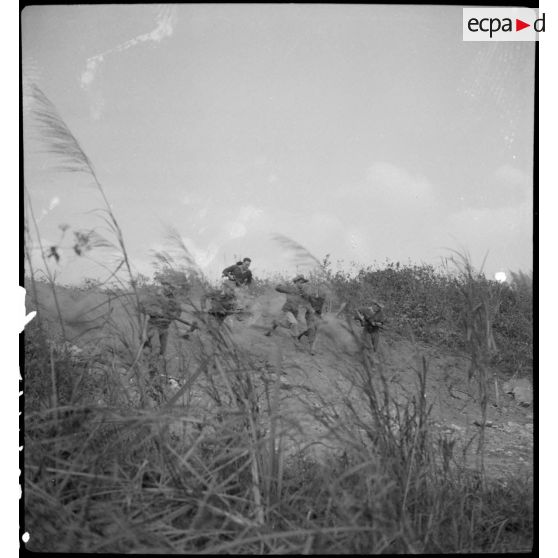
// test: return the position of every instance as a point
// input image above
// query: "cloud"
(394, 186)
(386, 191)
(510, 186)
(505, 232)
(398, 215)
(487, 223)
(389, 211)
(503, 186)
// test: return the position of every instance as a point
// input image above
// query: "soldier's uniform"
(239, 277)
(372, 319)
(296, 297)
(162, 308)
(238, 274)
(222, 304)
(313, 315)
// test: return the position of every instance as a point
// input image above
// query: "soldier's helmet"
(300, 279)
(167, 287)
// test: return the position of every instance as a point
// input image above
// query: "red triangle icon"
(519, 25)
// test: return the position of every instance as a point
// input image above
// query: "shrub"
(427, 302)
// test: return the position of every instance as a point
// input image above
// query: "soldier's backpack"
(317, 302)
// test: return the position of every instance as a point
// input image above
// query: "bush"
(427, 303)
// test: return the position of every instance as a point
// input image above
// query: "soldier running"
(162, 308)
(239, 273)
(296, 296)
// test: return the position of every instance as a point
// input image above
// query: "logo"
(502, 24)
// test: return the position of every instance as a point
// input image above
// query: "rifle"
(342, 307)
(193, 325)
(360, 318)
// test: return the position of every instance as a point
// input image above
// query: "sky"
(370, 133)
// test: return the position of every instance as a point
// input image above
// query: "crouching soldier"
(238, 280)
(222, 303)
(239, 273)
(296, 294)
(371, 318)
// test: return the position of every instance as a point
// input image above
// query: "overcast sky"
(366, 132)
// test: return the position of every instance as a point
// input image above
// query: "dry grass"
(210, 472)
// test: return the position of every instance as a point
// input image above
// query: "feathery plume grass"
(300, 255)
(58, 140)
(480, 305)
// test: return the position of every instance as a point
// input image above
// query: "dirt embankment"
(327, 378)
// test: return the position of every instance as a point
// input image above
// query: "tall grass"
(480, 305)
(208, 467)
(214, 474)
(62, 147)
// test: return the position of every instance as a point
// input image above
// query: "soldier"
(162, 307)
(239, 273)
(239, 280)
(222, 304)
(296, 296)
(371, 318)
